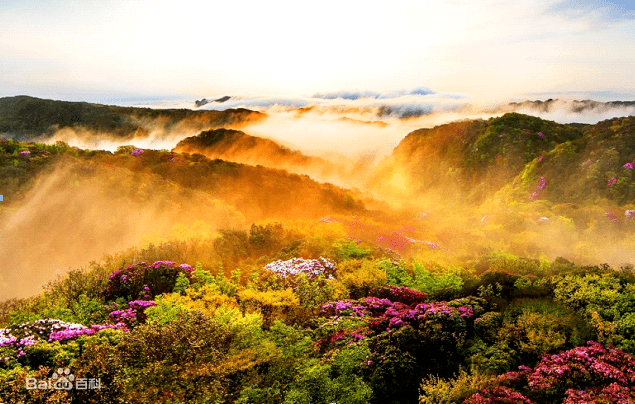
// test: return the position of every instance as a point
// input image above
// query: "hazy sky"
(107, 50)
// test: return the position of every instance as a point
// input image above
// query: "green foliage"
(448, 281)
(343, 250)
(533, 327)
(166, 310)
(186, 358)
(51, 354)
(313, 293)
(590, 291)
(89, 311)
(492, 359)
(397, 274)
(181, 284)
(337, 382)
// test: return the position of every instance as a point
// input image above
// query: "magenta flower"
(136, 152)
(629, 166)
(541, 134)
(543, 184)
(611, 182)
(25, 153)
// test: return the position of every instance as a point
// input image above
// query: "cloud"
(347, 95)
(600, 11)
(356, 95)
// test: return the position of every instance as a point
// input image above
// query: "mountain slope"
(237, 146)
(474, 158)
(26, 118)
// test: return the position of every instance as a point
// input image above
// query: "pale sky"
(486, 49)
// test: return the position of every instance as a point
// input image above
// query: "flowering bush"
(395, 241)
(134, 314)
(387, 315)
(586, 374)
(399, 294)
(20, 336)
(296, 266)
(65, 335)
(136, 152)
(144, 280)
(25, 153)
(498, 395)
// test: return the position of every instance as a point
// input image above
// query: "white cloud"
(488, 48)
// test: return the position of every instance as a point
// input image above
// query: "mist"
(78, 212)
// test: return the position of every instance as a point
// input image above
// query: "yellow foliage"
(206, 300)
(271, 304)
(605, 330)
(360, 274)
(536, 333)
(247, 358)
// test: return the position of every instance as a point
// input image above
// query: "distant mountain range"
(515, 156)
(28, 118)
(574, 106)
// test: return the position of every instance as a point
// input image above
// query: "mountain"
(475, 159)
(27, 118)
(257, 192)
(237, 146)
(552, 105)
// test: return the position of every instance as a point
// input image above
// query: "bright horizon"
(490, 51)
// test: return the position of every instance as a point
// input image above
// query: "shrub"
(143, 280)
(296, 266)
(436, 390)
(397, 274)
(270, 304)
(591, 372)
(428, 282)
(360, 277)
(184, 359)
(400, 294)
(343, 250)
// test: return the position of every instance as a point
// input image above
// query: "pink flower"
(543, 184)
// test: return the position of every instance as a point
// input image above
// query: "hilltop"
(237, 146)
(579, 163)
(27, 118)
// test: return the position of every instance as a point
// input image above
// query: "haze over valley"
(315, 203)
